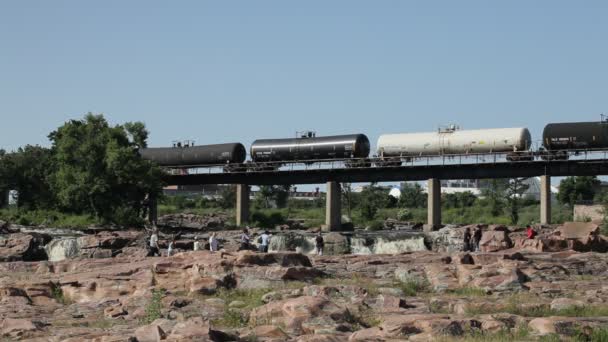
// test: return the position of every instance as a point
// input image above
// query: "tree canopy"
(578, 188)
(91, 168)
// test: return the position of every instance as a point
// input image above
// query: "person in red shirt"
(530, 232)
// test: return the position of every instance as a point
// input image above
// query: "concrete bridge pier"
(433, 205)
(242, 204)
(333, 210)
(545, 199)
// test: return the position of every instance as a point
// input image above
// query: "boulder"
(302, 315)
(566, 303)
(335, 244)
(150, 333)
(495, 240)
(582, 236)
(17, 328)
(22, 247)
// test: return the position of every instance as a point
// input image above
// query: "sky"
(228, 71)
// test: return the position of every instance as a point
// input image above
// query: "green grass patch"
(238, 317)
(414, 287)
(504, 335)
(59, 296)
(154, 307)
(468, 292)
(370, 285)
(48, 218)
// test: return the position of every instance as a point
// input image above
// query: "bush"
(375, 226)
(154, 308)
(268, 220)
(404, 215)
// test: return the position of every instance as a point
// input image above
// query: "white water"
(387, 246)
(62, 249)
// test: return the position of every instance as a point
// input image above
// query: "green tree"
(412, 196)
(227, 198)
(99, 172)
(347, 198)
(578, 188)
(272, 195)
(27, 170)
(459, 200)
(514, 194)
(281, 195)
(494, 194)
(372, 199)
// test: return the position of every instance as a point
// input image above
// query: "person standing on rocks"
(319, 243)
(467, 240)
(245, 240)
(171, 247)
(154, 249)
(264, 242)
(476, 239)
(213, 243)
(197, 244)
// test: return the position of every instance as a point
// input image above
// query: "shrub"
(267, 220)
(154, 308)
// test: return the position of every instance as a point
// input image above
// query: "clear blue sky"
(227, 71)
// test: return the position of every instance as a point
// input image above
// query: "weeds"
(468, 292)
(59, 296)
(414, 286)
(154, 307)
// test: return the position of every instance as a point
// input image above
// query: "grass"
(414, 287)
(236, 318)
(154, 308)
(505, 335)
(468, 292)
(370, 285)
(59, 296)
(364, 319)
(513, 306)
(49, 218)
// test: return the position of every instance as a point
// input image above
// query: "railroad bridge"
(431, 169)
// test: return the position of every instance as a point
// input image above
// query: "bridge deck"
(581, 167)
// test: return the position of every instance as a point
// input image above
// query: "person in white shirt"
(245, 240)
(197, 244)
(213, 243)
(171, 247)
(265, 241)
(154, 249)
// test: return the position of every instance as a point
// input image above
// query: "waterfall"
(61, 249)
(360, 245)
(278, 243)
(357, 243)
(381, 245)
(386, 246)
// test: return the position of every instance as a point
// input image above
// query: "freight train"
(559, 141)
(515, 142)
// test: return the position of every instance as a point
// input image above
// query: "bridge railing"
(391, 162)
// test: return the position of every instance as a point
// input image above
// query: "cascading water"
(387, 246)
(381, 245)
(61, 249)
(362, 243)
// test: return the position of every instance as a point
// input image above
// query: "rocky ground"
(552, 288)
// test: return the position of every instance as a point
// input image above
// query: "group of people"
(471, 241)
(245, 240)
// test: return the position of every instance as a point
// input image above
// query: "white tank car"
(455, 141)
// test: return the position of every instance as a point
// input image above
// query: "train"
(308, 148)
(515, 142)
(559, 140)
(186, 155)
